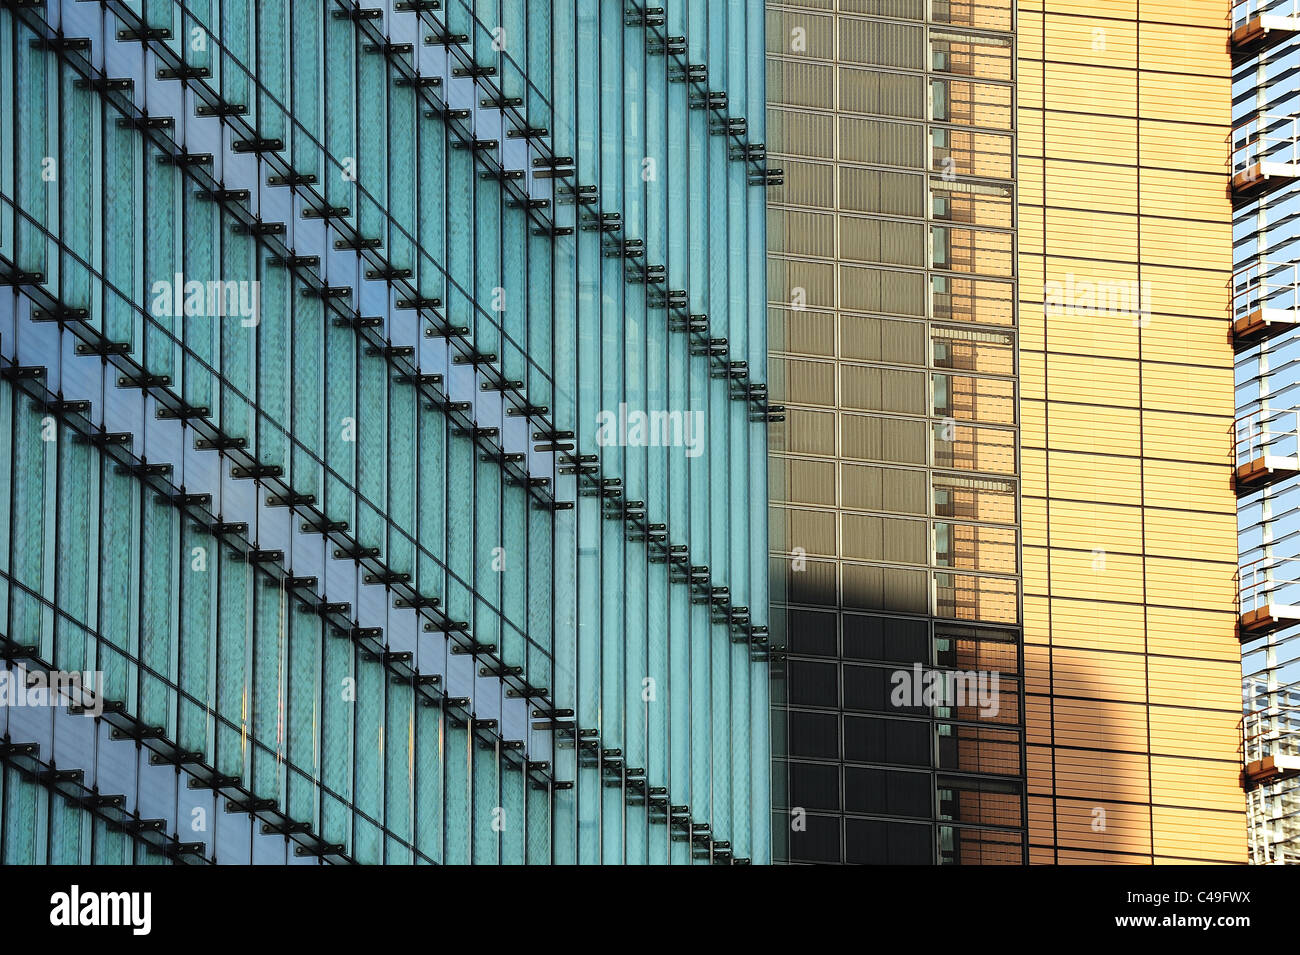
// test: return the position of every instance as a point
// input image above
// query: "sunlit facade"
(896, 557)
(999, 271)
(314, 321)
(1266, 278)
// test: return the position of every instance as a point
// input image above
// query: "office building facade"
(892, 291)
(385, 432)
(998, 286)
(388, 428)
(1264, 168)
(1130, 636)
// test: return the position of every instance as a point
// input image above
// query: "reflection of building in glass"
(996, 287)
(361, 581)
(891, 295)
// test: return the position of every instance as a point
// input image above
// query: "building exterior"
(1130, 643)
(385, 432)
(892, 293)
(998, 286)
(1264, 169)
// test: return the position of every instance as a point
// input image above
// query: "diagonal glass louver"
(385, 432)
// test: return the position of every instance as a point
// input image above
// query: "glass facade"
(1125, 258)
(386, 428)
(1002, 526)
(1265, 167)
(895, 540)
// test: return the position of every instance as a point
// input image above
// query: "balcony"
(1258, 25)
(1265, 301)
(1274, 767)
(1270, 735)
(1268, 596)
(1265, 155)
(1270, 766)
(1265, 449)
(1270, 757)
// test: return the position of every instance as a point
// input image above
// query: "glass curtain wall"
(387, 415)
(895, 544)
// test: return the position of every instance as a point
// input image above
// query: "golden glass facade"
(1132, 665)
(999, 311)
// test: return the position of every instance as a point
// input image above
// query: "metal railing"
(1268, 580)
(1265, 284)
(1266, 733)
(1260, 433)
(1269, 138)
(1270, 726)
(1245, 11)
